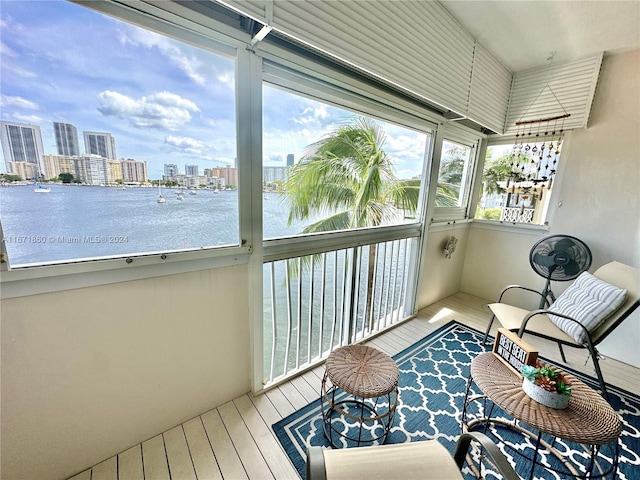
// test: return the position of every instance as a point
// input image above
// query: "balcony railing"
(315, 303)
(517, 214)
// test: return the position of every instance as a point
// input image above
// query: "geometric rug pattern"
(432, 385)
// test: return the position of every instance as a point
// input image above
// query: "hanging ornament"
(534, 164)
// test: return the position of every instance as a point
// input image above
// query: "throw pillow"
(588, 300)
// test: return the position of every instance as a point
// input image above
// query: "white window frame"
(455, 134)
(551, 206)
(209, 35)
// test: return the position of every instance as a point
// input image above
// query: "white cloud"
(227, 79)
(186, 144)
(5, 49)
(17, 102)
(31, 119)
(164, 110)
(312, 114)
(189, 64)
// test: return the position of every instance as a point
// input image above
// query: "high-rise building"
(21, 143)
(274, 174)
(290, 160)
(91, 169)
(100, 143)
(114, 171)
(66, 139)
(191, 169)
(228, 174)
(133, 171)
(170, 170)
(54, 165)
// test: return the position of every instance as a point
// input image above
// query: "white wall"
(440, 276)
(600, 202)
(87, 373)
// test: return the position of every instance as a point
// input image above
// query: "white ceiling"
(523, 34)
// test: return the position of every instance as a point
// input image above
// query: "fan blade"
(543, 260)
(564, 244)
(572, 268)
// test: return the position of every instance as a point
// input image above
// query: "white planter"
(545, 397)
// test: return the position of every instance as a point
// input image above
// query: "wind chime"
(534, 156)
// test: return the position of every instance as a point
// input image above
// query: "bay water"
(74, 222)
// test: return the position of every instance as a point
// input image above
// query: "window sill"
(54, 278)
(510, 226)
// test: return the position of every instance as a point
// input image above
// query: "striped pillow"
(588, 300)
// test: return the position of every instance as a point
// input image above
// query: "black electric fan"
(560, 258)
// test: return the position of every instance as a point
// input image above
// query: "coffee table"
(588, 420)
(360, 385)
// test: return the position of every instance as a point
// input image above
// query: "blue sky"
(164, 101)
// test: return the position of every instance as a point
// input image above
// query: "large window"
(135, 138)
(327, 168)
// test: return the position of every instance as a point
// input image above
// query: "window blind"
(555, 90)
(415, 46)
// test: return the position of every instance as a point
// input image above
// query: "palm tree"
(450, 177)
(496, 171)
(347, 180)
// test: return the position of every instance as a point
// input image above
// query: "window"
(327, 168)
(524, 202)
(453, 191)
(127, 147)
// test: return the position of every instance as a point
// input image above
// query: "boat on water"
(180, 195)
(40, 188)
(160, 197)
(192, 192)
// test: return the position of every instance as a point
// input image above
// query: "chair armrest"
(520, 287)
(315, 464)
(492, 450)
(532, 314)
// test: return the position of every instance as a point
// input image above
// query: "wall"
(599, 202)
(440, 276)
(90, 372)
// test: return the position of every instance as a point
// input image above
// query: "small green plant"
(548, 378)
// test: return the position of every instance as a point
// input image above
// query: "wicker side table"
(359, 395)
(588, 420)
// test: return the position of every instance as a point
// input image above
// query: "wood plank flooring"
(235, 441)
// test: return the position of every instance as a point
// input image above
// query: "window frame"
(216, 38)
(454, 134)
(295, 76)
(188, 24)
(554, 200)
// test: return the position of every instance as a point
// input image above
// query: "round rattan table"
(588, 419)
(360, 388)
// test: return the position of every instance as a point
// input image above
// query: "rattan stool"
(360, 384)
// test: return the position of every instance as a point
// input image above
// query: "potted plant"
(546, 386)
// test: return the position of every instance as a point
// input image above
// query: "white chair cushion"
(588, 300)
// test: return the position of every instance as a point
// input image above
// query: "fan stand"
(546, 293)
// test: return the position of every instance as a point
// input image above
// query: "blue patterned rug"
(433, 377)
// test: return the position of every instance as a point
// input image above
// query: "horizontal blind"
(490, 88)
(416, 46)
(551, 91)
(425, 56)
(256, 9)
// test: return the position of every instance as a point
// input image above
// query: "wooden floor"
(235, 441)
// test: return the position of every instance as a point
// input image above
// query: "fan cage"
(572, 254)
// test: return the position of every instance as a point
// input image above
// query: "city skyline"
(163, 101)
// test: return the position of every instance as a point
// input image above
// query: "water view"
(73, 222)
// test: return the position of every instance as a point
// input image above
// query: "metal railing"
(315, 303)
(517, 214)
